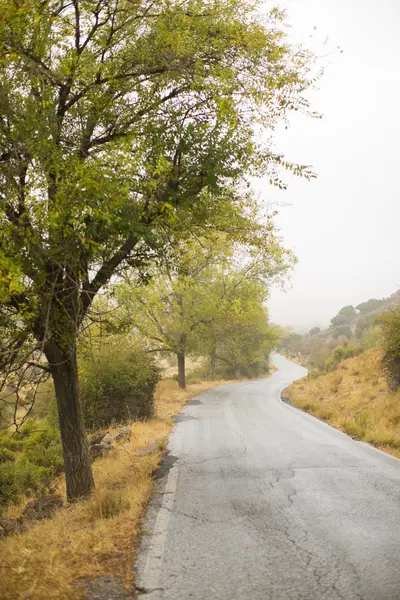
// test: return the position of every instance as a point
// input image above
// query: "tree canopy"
(117, 120)
(205, 301)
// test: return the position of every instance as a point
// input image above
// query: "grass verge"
(354, 398)
(98, 536)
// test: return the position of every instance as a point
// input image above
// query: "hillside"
(354, 398)
(351, 331)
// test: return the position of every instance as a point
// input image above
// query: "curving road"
(261, 501)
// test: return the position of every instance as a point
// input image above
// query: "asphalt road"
(261, 501)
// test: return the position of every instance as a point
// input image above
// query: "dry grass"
(97, 536)
(354, 398)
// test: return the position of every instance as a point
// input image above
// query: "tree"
(370, 305)
(168, 310)
(315, 330)
(117, 118)
(345, 316)
(241, 337)
(206, 299)
(341, 330)
(291, 342)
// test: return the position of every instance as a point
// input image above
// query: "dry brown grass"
(355, 398)
(97, 536)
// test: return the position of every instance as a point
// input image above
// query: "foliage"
(43, 448)
(341, 353)
(345, 317)
(362, 324)
(290, 342)
(342, 330)
(240, 338)
(390, 324)
(118, 381)
(207, 302)
(315, 331)
(29, 460)
(121, 120)
(19, 477)
(8, 485)
(6, 455)
(370, 306)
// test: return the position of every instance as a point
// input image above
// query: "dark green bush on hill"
(341, 353)
(117, 385)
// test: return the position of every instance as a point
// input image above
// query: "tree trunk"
(213, 360)
(181, 370)
(78, 468)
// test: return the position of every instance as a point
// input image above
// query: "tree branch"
(105, 273)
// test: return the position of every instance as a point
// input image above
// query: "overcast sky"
(344, 226)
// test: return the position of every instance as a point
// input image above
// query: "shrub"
(30, 478)
(6, 455)
(29, 460)
(118, 383)
(9, 442)
(390, 323)
(8, 487)
(19, 478)
(341, 353)
(43, 448)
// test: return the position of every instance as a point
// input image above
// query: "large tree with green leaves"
(179, 301)
(240, 338)
(117, 118)
(207, 297)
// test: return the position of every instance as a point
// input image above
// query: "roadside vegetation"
(355, 398)
(353, 381)
(53, 557)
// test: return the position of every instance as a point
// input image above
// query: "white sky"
(344, 227)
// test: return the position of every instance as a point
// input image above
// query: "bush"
(43, 448)
(390, 323)
(19, 478)
(117, 385)
(6, 455)
(29, 460)
(8, 487)
(341, 353)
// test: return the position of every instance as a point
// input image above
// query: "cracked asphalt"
(261, 501)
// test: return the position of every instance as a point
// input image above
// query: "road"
(261, 501)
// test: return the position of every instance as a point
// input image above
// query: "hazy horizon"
(342, 226)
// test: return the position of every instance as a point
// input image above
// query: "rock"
(124, 434)
(98, 450)
(108, 439)
(97, 437)
(42, 507)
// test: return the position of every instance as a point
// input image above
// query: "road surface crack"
(142, 591)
